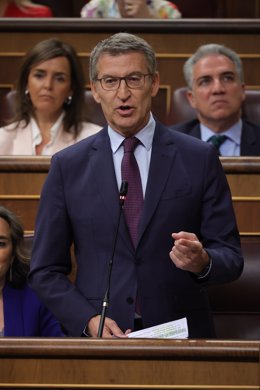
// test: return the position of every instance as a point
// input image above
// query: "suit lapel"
(162, 158)
(102, 161)
(163, 155)
(248, 139)
(195, 130)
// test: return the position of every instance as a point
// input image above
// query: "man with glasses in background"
(177, 232)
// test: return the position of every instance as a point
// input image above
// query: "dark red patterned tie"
(134, 200)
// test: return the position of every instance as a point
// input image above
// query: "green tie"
(217, 141)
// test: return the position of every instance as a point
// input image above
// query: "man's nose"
(218, 85)
(123, 89)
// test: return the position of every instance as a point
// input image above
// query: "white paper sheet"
(170, 330)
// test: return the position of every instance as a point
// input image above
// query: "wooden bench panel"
(21, 180)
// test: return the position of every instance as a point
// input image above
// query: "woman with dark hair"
(21, 312)
(50, 102)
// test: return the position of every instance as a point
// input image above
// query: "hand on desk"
(110, 328)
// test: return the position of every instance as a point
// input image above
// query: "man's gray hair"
(206, 50)
(121, 43)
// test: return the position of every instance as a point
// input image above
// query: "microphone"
(122, 198)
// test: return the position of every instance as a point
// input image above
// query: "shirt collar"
(145, 135)
(36, 133)
(234, 133)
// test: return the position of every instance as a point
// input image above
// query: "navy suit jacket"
(250, 139)
(26, 316)
(186, 190)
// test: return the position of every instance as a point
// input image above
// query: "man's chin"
(222, 115)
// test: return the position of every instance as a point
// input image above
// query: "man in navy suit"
(216, 90)
(187, 235)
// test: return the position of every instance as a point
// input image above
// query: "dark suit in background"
(250, 139)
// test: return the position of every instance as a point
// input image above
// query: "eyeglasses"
(133, 81)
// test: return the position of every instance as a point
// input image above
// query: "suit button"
(129, 300)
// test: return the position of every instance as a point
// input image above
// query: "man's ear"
(191, 99)
(243, 86)
(155, 84)
(94, 91)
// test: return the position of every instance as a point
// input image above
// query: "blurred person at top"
(23, 9)
(130, 9)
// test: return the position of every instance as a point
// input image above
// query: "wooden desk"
(129, 364)
(21, 180)
(243, 174)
